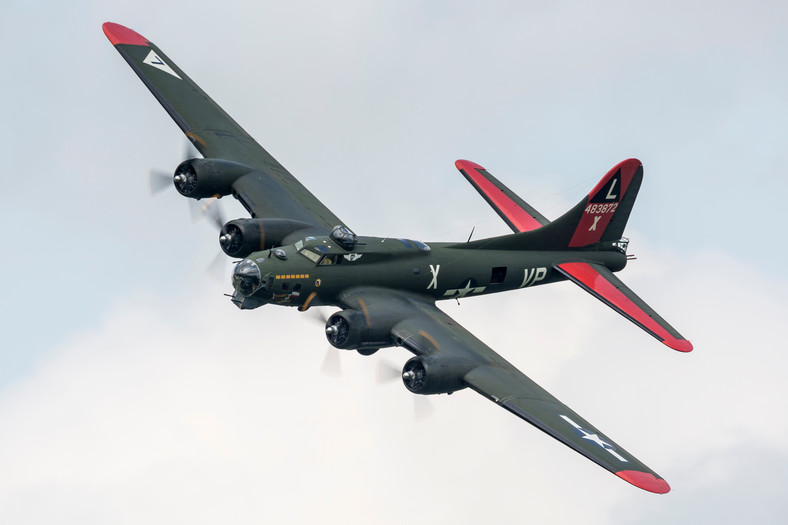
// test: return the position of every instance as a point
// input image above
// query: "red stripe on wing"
(595, 283)
(119, 34)
(518, 218)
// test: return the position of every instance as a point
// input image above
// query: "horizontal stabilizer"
(602, 284)
(518, 214)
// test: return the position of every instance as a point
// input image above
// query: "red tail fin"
(608, 205)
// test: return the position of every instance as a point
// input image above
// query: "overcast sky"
(132, 391)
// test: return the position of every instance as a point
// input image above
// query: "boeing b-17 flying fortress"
(294, 251)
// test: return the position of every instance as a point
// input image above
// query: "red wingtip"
(118, 34)
(645, 481)
(682, 345)
(464, 164)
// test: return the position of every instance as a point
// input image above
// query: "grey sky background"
(132, 391)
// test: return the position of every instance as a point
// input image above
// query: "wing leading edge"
(427, 331)
(269, 191)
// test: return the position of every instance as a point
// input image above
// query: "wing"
(518, 214)
(605, 286)
(272, 192)
(422, 328)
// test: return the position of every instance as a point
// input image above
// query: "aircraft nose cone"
(246, 277)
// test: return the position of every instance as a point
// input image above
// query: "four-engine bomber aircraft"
(295, 252)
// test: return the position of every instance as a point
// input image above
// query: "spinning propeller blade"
(386, 373)
(332, 366)
(158, 181)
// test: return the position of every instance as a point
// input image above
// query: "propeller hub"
(232, 241)
(185, 179)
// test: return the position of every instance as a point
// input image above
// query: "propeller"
(332, 363)
(317, 315)
(422, 407)
(217, 270)
(159, 180)
(209, 209)
(386, 373)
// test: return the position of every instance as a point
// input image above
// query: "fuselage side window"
(498, 275)
(330, 259)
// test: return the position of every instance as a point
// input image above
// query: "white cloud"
(201, 412)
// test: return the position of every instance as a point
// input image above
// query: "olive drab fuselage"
(315, 270)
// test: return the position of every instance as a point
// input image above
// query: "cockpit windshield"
(309, 254)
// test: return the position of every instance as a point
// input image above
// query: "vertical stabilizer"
(606, 209)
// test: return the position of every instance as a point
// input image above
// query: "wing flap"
(605, 286)
(518, 214)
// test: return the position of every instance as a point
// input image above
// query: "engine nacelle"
(352, 330)
(432, 374)
(241, 237)
(202, 178)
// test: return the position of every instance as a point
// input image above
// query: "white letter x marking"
(596, 220)
(434, 283)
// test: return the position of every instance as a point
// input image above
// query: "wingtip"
(118, 34)
(463, 164)
(645, 481)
